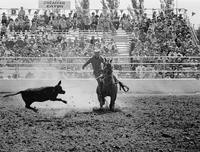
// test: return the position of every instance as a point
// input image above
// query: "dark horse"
(109, 85)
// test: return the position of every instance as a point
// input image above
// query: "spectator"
(3, 30)
(115, 21)
(19, 43)
(94, 21)
(82, 43)
(92, 41)
(46, 18)
(41, 21)
(4, 19)
(76, 42)
(69, 22)
(11, 25)
(21, 13)
(26, 24)
(55, 23)
(32, 40)
(21, 24)
(86, 23)
(63, 24)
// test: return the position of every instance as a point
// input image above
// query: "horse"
(108, 85)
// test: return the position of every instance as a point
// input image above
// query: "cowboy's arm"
(102, 62)
(88, 62)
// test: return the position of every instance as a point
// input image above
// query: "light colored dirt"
(140, 123)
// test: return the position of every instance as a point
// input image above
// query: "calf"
(40, 95)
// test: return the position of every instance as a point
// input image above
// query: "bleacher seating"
(150, 48)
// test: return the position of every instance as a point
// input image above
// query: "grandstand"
(160, 44)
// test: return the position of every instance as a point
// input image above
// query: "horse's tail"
(124, 87)
(12, 94)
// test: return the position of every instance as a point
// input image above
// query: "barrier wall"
(163, 86)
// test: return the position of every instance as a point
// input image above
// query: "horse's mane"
(108, 68)
(108, 71)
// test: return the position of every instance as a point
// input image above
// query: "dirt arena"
(140, 123)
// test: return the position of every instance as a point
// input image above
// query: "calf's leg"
(31, 108)
(28, 104)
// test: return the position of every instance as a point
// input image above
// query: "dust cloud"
(80, 95)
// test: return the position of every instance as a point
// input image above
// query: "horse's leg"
(100, 97)
(112, 102)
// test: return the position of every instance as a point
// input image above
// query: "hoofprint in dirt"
(150, 123)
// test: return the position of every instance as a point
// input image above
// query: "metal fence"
(125, 67)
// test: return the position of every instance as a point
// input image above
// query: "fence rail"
(111, 57)
(125, 67)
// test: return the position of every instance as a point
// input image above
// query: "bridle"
(105, 69)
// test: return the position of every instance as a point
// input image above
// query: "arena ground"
(140, 123)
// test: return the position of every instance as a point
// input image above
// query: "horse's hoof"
(111, 109)
(65, 102)
(35, 110)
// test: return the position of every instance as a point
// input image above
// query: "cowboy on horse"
(97, 61)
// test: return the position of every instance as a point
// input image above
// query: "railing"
(135, 67)
(194, 36)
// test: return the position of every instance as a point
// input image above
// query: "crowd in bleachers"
(48, 35)
(54, 45)
(61, 22)
(166, 36)
(163, 35)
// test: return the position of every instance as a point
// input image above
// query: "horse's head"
(107, 66)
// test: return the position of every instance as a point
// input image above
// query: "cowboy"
(96, 60)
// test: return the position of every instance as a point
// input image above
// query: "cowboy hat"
(96, 50)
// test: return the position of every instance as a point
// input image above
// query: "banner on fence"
(55, 4)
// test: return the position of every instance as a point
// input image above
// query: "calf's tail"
(124, 87)
(12, 94)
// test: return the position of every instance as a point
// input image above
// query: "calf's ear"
(59, 83)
